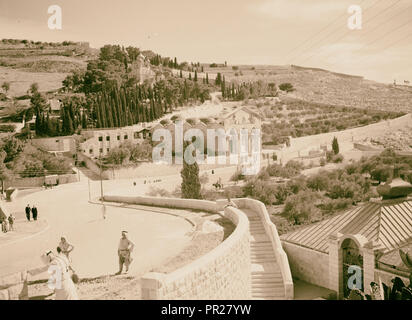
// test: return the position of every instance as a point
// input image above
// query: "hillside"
(23, 62)
(322, 86)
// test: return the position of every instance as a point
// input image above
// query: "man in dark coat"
(34, 212)
(28, 210)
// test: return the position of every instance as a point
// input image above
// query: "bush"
(7, 127)
(237, 176)
(288, 87)
(338, 158)
(300, 208)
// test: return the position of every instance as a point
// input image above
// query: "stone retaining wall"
(222, 274)
(12, 287)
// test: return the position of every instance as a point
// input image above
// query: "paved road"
(66, 208)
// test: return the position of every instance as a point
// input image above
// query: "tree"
(190, 181)
(5, 86)
(301, 207)
(195, 77)
(335, 145)
(288, 87)
(4, 172)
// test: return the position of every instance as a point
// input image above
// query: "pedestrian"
(104, 212)
(60, 268)
(11, 219)
(65, 247)
(28, 210)
(124, 252)
(34, 212)
(3, 225)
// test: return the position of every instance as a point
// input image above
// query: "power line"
(330, 33)
(380, 25)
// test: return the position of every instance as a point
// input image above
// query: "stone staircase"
(267, 281)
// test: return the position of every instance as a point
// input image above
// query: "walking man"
(125, 249)
(28, 210)
(34, 212)
(11, 219)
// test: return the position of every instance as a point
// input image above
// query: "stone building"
(364, 241)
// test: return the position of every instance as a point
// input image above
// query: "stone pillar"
(368, 267)
(335, 265)
(152, 282)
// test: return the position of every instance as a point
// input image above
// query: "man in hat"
(125, 249)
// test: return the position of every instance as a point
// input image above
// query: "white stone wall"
(222, 274)
(272, 232)
(308, 265)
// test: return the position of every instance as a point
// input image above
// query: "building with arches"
(357, 247)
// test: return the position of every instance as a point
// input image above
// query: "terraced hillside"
(322, 86)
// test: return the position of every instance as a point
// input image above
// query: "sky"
(311, 33)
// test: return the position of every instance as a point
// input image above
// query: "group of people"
(7, 224)
(63, 275)
(33, 212)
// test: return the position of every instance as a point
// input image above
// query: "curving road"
(157, 236)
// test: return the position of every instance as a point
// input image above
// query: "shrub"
(338, 158)
(301, 208)
(288, 87)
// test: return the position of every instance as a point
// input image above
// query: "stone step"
(263, 254)
(264, 274)
(267, 293)
(268, 298)
(262, 260)
(267, 284)
(267, 280)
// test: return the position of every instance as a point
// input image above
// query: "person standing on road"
(28, 210)
(104, 211)
(11, 219)
(34, 212)
(65, 247)
(124, 251)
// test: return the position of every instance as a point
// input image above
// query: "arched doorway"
(352, 265)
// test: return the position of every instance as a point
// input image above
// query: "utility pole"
(88, 181)
(101, 180)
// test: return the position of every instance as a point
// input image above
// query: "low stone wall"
(12, 287)
(165, 202)
(308, 265)
(39, 181)
(222, 274)
(272, 232)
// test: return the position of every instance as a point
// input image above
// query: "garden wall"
(307, 264)
(39, 181)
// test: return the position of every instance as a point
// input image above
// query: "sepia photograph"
(222, 152)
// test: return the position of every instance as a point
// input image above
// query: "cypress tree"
(195, 79)
(190, 180)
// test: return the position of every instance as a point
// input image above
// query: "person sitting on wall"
(230, 203)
